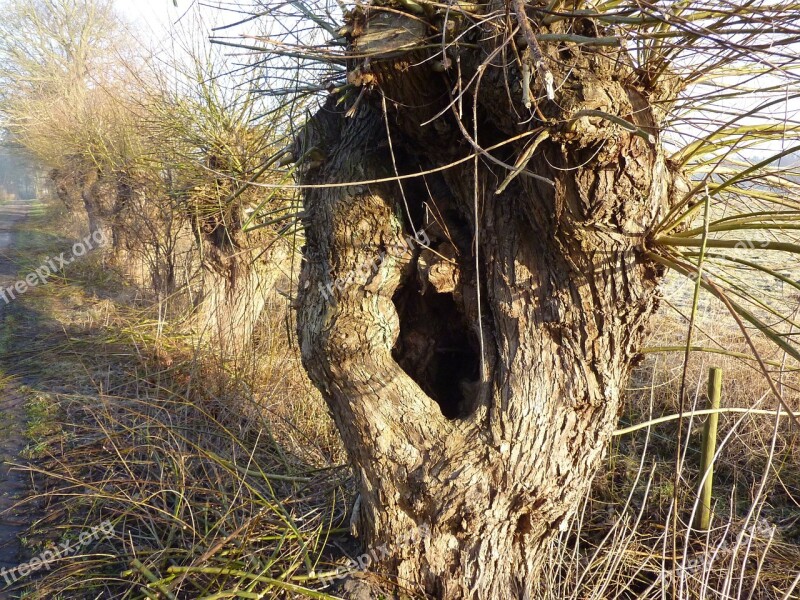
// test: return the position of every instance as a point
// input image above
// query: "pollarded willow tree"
(475, 371)
(217, 149)
(159, 155)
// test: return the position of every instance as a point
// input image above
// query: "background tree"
(60, 66)
(219, 146)
(19, 174)
(161, 156)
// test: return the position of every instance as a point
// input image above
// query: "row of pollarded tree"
(165, 164)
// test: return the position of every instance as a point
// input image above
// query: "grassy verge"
(212, 488)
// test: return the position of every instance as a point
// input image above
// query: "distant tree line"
(162, 156)
(20, 176)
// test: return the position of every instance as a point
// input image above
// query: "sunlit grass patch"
(620, 543)
(210, 484)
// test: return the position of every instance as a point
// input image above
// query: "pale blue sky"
(151, 14)
(155, 18)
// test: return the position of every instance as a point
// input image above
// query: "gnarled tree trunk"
(476, 380)
(102, 196)
(239, 284)
(241, 270)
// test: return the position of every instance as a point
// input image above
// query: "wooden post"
(703, 516)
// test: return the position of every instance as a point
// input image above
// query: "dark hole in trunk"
(438, 348)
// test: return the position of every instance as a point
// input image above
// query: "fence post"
(703, 516)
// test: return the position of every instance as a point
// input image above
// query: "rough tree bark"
(242, 269)
(102, 196)
(475, 392)
(240, 282)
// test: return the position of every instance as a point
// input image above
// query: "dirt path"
(12, 410)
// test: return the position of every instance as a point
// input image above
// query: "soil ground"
(12, 418)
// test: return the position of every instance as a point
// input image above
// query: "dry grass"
(620, 546)
(227, 480)
(201, 467)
